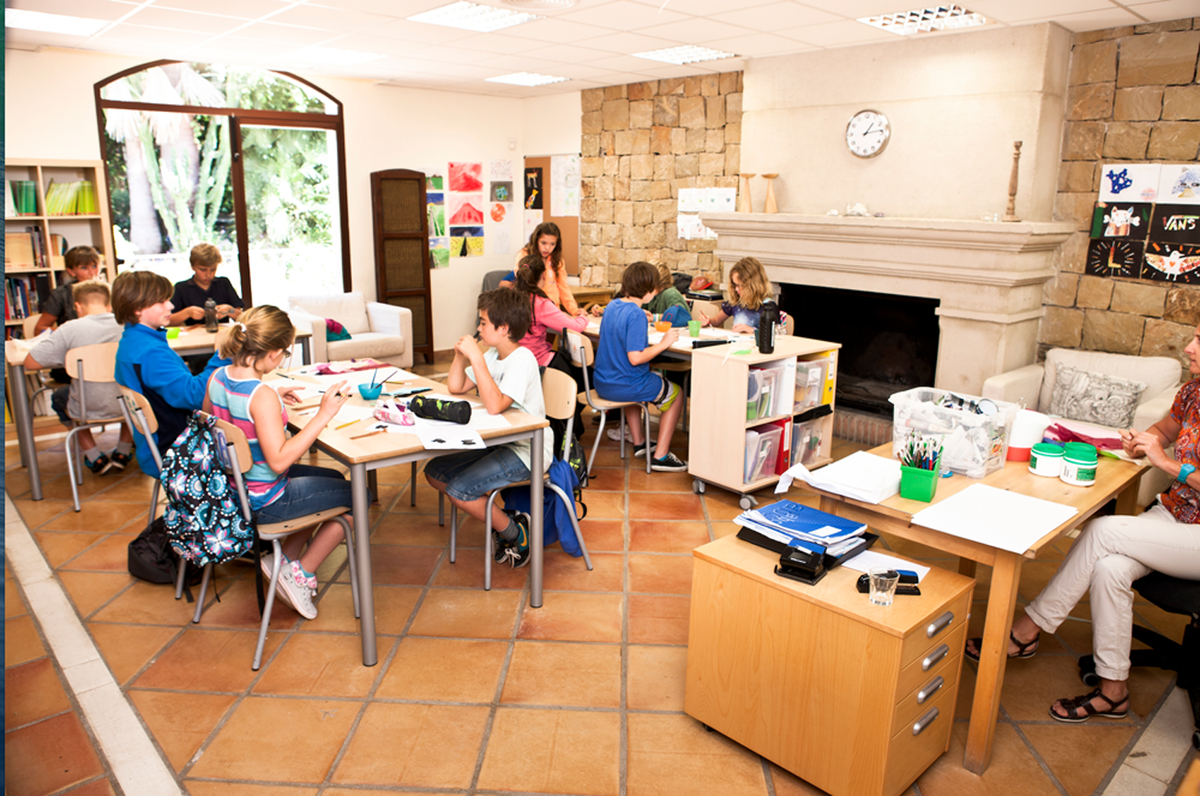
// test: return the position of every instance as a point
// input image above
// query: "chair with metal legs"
(89, 364)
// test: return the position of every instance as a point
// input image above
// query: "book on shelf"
(18, 250)
(22, 296)
(24, 197)
(10, 205)
(71, 198)
(58, 245)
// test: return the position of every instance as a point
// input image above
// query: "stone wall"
(641, 143)
(1133, 97)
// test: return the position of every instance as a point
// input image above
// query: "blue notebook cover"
(788, 515)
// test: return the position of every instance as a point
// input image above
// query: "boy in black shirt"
(191, 294)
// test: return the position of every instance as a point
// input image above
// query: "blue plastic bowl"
(368, 392)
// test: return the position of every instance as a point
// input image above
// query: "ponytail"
(260, 331)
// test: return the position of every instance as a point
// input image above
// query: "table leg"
(1127, 497)
(23, 418)
(1002, 601)
(362, 548)
(305, 352)
(537, 466)
(966, 567)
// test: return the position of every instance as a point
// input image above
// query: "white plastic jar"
(1046, 460)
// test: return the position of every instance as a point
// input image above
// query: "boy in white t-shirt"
(507, 376)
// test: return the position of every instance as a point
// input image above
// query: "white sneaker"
(267, 562)
(298, 594)
(614, 434)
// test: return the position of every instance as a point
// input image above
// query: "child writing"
(546, 243)
(278, 487)
(146, 364)
(532, 281)
(748, 289)
(622, 365)
(667, 298)
(82, 264)
(507, 376)
(190, 294)
(94, 324)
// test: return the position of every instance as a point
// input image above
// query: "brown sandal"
(1084, 703)
(1023, 650)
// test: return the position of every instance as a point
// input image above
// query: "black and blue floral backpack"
(204, 519)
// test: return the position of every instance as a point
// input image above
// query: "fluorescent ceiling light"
(547, 5)
(688, 54)
(924, 20)
(51, 23)
(470, 16)
(527, 79)
(332, 55)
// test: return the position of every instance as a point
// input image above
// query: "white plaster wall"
(386, 128)
(956, 105)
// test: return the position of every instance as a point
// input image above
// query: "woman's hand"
(1148, 444)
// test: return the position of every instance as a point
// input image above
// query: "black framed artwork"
(1172, 262)
(1114, 257)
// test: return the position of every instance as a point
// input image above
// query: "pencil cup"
(918, 484)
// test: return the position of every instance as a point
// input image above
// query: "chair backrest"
(29, 325)
(709, 308)
(136, 403)
(236, 439)
(558, 392)
(789, 326)
(492, 280)
(94, 363)
(579, 348)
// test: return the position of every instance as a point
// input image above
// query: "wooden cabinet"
(718, 426)
(32, 272)
(854, 698)
(402, 261)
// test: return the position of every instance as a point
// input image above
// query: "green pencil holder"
(918, 484)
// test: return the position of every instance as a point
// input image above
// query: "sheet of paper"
(481, 420)
(350, 413)
(448, 436)
(1006, 520)
(869, 559)
(861, 475)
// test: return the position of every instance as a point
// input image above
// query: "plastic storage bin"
(972, 444)
(806, 442)
(762, 451)
(810, 383)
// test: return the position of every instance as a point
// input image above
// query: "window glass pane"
(218, 86)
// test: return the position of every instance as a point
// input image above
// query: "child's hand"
(596, 310)
(649, 315)
(194, 313)
(671, 335)
(288, 394)
(704, 319)
(468, 346)
(741, 328)
(332, 401)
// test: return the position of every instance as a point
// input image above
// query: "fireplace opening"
(889, 343)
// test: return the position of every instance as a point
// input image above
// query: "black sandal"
(1023, 650)
(1084, 703)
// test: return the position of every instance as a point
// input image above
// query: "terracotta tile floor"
(474, 691)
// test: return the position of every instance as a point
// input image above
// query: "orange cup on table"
(662, 326)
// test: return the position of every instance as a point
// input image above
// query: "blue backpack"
(204, 519)
(556, 519)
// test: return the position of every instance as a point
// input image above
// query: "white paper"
(448, 436)
(564, 185)
(996, 517)
(350, 413)
(689, 200)
(501, 240)
(1129, 182)
(869, 559)
(1179, 183)
(481, 420)
(861, 476)
(500, 170)
(304, 391)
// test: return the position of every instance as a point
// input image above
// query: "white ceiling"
(590, 43)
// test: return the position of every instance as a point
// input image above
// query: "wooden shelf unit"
(94, 229)
(716, 432)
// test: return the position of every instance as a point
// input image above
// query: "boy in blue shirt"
(623, 371)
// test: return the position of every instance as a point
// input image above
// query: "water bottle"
(768, 318)
(210, 315)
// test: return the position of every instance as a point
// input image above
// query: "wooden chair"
(89, 364)
(236, 462)
(558, 391)
(140, 415)
(582, 356)
(710, 309)
(40, 381)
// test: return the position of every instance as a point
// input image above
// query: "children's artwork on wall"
(502, 191)
(1172, 262)
(1114, 258)
(466, 208)
(501, 241)
(1176, 223)
(439, 252)
(470, 241)
(437, 217)
(1180, 184)
(435, 180)
(1129, 182)
(500, 170)
(1121, 220)
(466, 177)
(499, 211)
(533, 189)
(532, 219)
(565, 179)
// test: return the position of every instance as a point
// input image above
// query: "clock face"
(867, 133)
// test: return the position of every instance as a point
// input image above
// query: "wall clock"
(867, 133)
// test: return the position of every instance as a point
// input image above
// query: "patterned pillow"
(1094, 397)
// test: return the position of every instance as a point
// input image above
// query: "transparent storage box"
(973, 444)
(806, 442)
(810, 383)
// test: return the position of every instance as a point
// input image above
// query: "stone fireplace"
(986, 277)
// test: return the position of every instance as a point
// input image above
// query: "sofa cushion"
(366, 344)
(1158, 373)
(1095, 397)
(348, 309)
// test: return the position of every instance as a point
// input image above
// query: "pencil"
(370, 433)
(343, 425)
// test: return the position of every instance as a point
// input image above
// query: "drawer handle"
(939, 624)
(925, 721)
(941, 652)
(934, 686)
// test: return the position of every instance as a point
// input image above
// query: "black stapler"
(801, 565)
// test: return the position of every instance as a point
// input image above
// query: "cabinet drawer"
(941, 678)
(942, 649)
(929, 634)
(909, 755)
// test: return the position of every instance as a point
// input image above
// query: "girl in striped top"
(279, 488)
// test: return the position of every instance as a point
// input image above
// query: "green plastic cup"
(172, 332)
(694, 328)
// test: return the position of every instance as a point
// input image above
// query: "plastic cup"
(172, 332)
(368, 392)
(694, 328)
(883, 585)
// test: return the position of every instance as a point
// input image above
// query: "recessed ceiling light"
(332, 55)
(924, 20)
(52, 23)
(689, 54)
(527, 79)
(471, 16)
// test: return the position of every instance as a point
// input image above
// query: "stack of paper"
(797, 525)
(861, 476)
(997, 517)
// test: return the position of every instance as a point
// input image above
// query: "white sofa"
(1035, 385)
(377, 330)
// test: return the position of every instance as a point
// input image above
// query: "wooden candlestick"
(743, 205)
(1010, 214)
(770, 206)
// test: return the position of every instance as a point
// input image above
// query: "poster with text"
(1114, 258)
(466, 177)
(1176, 223)
(533, 188)
(564, 180)
(470, 241)
(1172, 262)
(1121, 220)
(465, 209)
(1179, 184)
(1129, 182)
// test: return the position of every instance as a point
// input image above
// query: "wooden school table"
(384, 450)
(193, 341)
(1114, 479)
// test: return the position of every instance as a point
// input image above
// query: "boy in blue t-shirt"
(622, 369)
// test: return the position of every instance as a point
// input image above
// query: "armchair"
(1035, 385)
(381, 331)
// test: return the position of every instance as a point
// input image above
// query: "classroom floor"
(474, 692)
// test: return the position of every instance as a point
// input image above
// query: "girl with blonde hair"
(748, 289)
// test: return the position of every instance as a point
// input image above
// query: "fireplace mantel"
(987, 276)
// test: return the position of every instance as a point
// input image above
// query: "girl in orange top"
(546, 241)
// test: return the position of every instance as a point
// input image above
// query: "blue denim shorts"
(472, 474)
(310, 489)
(58, 402)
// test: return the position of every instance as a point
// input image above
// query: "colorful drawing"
(435, 198)
(1176, 223)
(1120, 220)
(456, 246)
(500, 170)
(470, 241)
(502, 192)
(437, 221)
(466, 208)
(498, 212)
(434, 182)
(1129, 182)
(439, 250)
(1114, 258)
(1172, 262)
(1180, 184)
(466, 177)
(533, 189)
